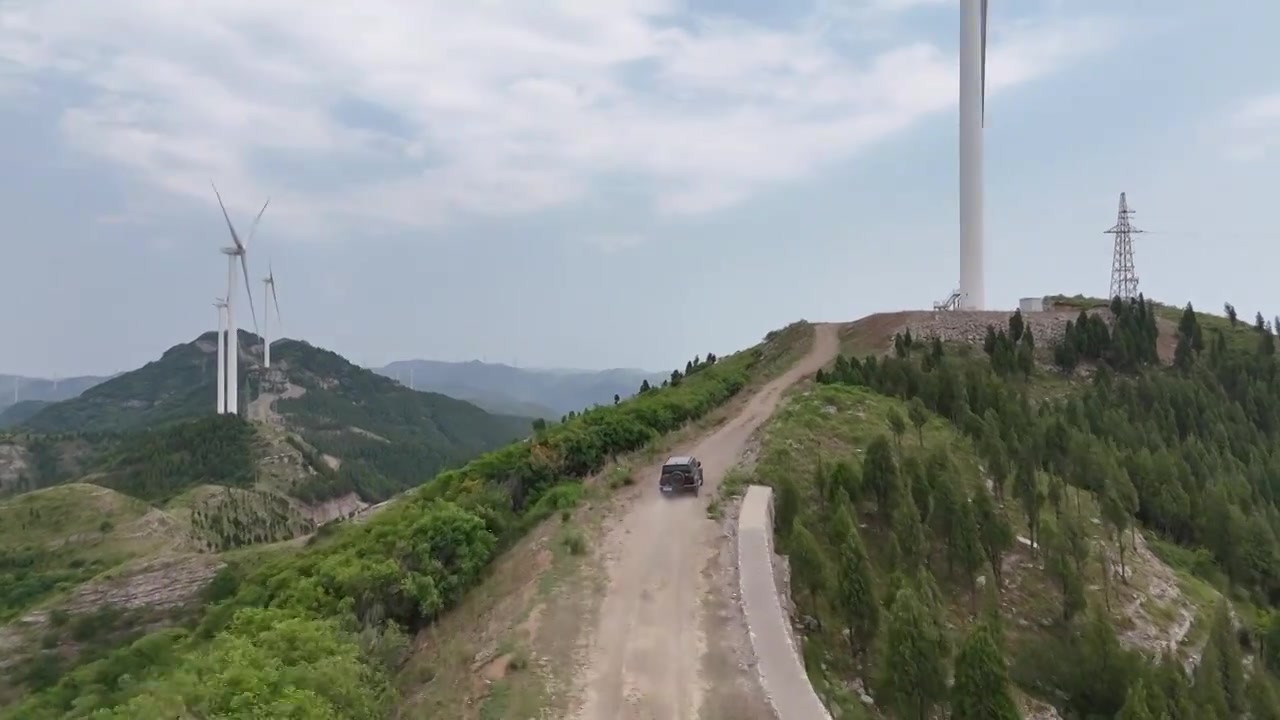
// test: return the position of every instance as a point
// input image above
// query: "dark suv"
(681, 472)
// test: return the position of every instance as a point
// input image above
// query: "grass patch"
(834, 422)
(735, 482)
(573, 540)
(620, 476)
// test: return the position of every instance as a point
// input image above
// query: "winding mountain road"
(663, 646)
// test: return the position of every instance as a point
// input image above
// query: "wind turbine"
(973, 90)
(268, 283)
(222, 353)
(237, 251)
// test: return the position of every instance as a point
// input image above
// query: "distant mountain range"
(544, 393)
(44, 389)
(377, 436)
(497, 388)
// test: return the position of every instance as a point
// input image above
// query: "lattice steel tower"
(1124, 281)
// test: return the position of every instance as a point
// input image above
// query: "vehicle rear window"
(674, 468)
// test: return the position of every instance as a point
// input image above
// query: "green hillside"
(379, 437)
(178, 386)
(157, 465)
(386, 436)
(21, 411)
(964, 543)
(55, 538)
(322, 631)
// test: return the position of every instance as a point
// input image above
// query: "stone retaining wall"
(970, 327)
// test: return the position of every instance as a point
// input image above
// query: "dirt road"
(658, 648)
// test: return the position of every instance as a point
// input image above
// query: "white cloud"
(502, 107)
(1253, 127)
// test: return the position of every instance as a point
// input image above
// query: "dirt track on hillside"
(668, 644)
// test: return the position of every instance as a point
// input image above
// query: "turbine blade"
(983, 82)
(254, 228)
(248, 289)
(276, 300)
(230, 227)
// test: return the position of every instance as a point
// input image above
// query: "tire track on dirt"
(650, 645)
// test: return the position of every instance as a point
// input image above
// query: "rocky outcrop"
(339, 507)
(158, 583)
(14, 462)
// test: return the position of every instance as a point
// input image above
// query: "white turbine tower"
(237, 251)
(268, 285)
(973, 86)
(222, 353)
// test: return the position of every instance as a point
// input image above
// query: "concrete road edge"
(778, 663)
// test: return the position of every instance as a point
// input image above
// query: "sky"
(608, 183)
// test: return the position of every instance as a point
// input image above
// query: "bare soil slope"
(660, 643)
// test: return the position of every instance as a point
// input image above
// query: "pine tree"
(1062, 563)
(1264, 703)
(1119, 503)
(1183, 356)
(809, 564)
(1206, 689)
(880, 474)
(995, 454)
(981, 688)
(919, 415)
(946, 503)
(994, 532)
(966, 547)
(1030, 494)
(908, 531)
(1016, 325)
(855, 587)
(1172, 690)
(1136, 703)
(1222, 635)
(787, 506)
(845, 476)
(914, 675)
(898, 426)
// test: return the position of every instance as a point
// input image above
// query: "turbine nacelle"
(240, 249)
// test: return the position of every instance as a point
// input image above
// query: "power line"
(1215, 235)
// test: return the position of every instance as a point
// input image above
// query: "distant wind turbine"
(222, 353)
(237, 251)
(268, 284)
(973, 90)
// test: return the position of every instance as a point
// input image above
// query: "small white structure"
(1031, 304)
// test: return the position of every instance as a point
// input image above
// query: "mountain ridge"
(376, 436)
(49, 390)
(498, 387)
